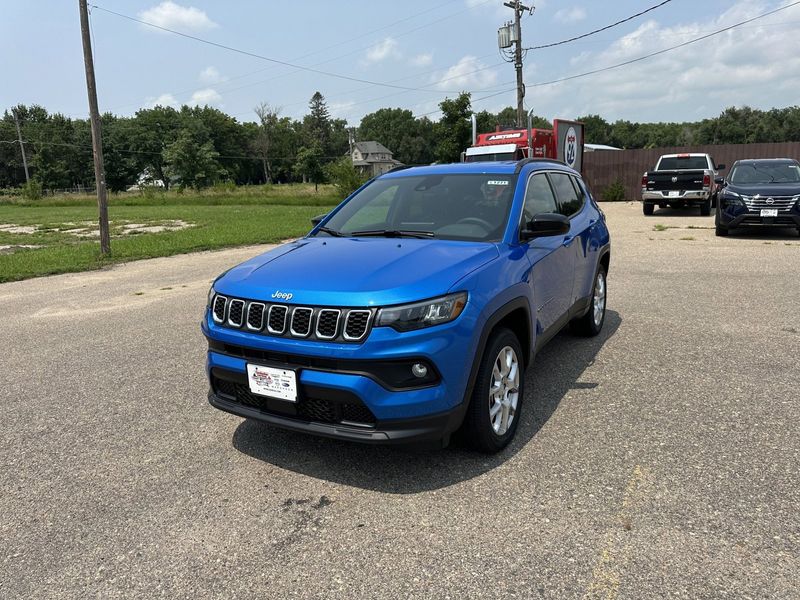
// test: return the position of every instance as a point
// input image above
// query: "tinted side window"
(539, 198)
(568, 200)
(581, 189)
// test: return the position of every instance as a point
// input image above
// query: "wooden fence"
(605, 167)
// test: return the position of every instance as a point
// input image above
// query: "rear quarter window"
(569, 200)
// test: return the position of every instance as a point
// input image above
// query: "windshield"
(458, 206)
(676, 163)
(764, 172)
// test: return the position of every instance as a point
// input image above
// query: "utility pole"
(21, 145)
(97, 138)
(515, 37)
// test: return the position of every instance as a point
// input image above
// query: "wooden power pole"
(97, 138)
(21, 146)
(516, 37)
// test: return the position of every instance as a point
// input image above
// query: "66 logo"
(571, 147)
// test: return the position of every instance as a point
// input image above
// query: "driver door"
(552, 263)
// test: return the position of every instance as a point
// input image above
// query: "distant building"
(372, 158)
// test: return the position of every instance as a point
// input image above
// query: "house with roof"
(372, 158)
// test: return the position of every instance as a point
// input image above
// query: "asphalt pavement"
(659, 460)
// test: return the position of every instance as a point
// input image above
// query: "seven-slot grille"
(316, 323)
(757, 203)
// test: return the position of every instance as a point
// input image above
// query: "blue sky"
(442, 46)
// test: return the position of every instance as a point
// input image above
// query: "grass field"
(63, 229)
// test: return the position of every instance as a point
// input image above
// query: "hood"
(765, 189)
(355, 271)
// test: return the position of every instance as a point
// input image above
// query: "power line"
(265, 58)
(665, 50)
(323, 49)
(607, 27)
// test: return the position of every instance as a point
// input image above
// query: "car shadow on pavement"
(408, 470)
(766, 234)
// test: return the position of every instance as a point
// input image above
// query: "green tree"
(344, 176)
(192, 163)
(453, 131)
(309, 165)
(153, 130)
(317, 124)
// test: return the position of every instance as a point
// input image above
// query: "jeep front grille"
(322, 323)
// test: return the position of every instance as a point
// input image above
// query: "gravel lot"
(659, 460)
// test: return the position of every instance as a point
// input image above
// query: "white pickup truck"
(681, 180)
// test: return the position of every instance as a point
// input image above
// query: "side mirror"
(318, 219)
(545, 225)
(719, 180)
(720, 167)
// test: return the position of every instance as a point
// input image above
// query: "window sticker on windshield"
(497, 182)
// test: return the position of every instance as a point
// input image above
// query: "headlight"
(211, 294)
(422, 314)
(731, 197)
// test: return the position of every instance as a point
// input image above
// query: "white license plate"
(674, 194)
(273, 383)
(769, 212)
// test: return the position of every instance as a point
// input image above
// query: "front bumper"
(394, 431)
(734, 216)
(656, 197)
(343, 389)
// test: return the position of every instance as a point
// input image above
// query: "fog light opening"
(419, 370)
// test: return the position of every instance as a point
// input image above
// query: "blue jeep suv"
(413, 308)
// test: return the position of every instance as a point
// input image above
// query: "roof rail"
(526, 161)
(398, 168)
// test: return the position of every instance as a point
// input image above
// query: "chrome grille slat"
(236, 312)
(302, 316)
(327, 329)
(277, 314)
(219, 305)
(356, 324)
(255, 316)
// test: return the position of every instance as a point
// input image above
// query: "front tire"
(590, 324)
(648, 209)
(494, 409)
(721, 231)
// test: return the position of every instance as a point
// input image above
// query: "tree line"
(200, 146)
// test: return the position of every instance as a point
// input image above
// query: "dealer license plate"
(674, 194)
(769, 212)
(273, 383)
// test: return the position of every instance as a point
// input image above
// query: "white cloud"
(341, 110)
(747, 65)
(570, 15)
(208, 96)
(422, 60)
(468, 74)
(174, 16)
(210, 75)
(162, 100)
(382, 50)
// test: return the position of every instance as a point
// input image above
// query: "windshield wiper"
(330, 231)
(389, 233)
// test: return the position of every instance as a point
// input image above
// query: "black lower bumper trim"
(430, 428)
(755, 220)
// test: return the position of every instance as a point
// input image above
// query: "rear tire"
(590, 324)
(705, 208)
(648, 209)
(494, 410)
